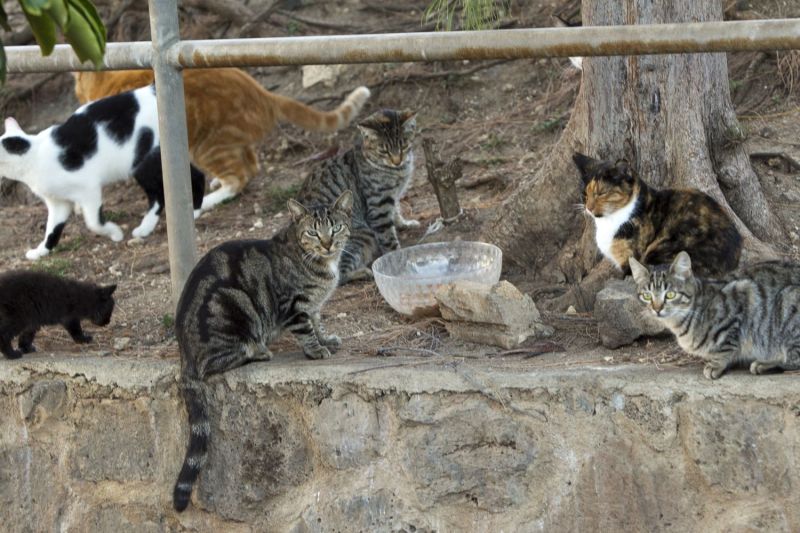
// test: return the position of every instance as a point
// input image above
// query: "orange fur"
(228, 114)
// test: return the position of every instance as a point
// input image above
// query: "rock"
(571, 310)
(621, 317)
(324, 74)
(120, 343)
(498, 314)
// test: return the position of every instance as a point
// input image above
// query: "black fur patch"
(16, 145)
(100, 216)
(78, 135)
(143, 145)
(149, 176)
(54, 237)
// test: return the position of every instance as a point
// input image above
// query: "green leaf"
(90, 14)
(4, 18)
(34, 7)
(44, 30)
(58, 12)
(81, 33)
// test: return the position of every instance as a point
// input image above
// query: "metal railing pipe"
(174, 145)
(779, 34)
(493, 44)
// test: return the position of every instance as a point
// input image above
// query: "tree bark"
(671, 116)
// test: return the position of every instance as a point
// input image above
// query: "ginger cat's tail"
(308, 118)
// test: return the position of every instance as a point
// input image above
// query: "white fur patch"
(148, 223)
(608, 225)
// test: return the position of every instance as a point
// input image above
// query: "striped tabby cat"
(748, 317)
(241, 296)
(377, 170)
(634, 220)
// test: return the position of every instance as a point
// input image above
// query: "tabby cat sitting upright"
(68, 164)
(30, 300)
(377, 171)
(634, 220)
(241, 296)
(228, 114)
(746, 317)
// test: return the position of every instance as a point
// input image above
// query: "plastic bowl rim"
(428, 244)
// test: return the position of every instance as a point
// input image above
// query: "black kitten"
(30, 300)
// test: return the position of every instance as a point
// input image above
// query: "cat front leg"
(332, 342)
(358, 253)
(302, 328)
(75, 331)
(7, 349)
(58, 212)
(403, 223)
(96, 222)
(149, 222)
(223, 193)
(382, 224)
(26, 341)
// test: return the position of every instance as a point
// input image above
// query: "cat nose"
(396, 159)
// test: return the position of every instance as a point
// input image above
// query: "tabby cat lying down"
(228, 114)
(748, 317)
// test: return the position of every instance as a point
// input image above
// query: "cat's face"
(14, 145)
(104, 305)
(323, 231)
(387, 136)
(607, 186)
(667, 293)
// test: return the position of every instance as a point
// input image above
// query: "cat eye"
(312, 233)
(646, 296)
(337, 228)
(671, 295)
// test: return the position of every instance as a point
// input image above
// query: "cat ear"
(367, 133)
(584, 164)
(409, 119)
(639, 271)
(344, 202)
(107, 291)
(681, 266)
(12, 126)
(624, 169)
(297, 209)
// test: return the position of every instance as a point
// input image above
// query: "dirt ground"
(501, 117)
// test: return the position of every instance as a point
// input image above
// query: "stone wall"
(94, 445)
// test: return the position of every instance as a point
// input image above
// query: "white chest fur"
(607, 226)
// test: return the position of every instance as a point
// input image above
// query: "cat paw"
(13, 354)
(114, 232)
(713, 372)
(407, 224)
(140, 232)
(215, 184)
(318, 353)
(83, 339)
(760, 367)
(30, 348)
(333, 342)
(36, 253)
(362, 274)
(197, 213)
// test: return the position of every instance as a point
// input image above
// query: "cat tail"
(195, 394)
(309, 118)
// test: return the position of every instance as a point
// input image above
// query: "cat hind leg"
(58, 212)
(149, 222)
(26, 341)
(96, 222)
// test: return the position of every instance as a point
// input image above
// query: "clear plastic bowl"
(408, 278)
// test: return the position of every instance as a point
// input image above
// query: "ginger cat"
(228, 114)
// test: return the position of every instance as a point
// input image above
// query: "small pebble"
(571, 310)
(121, 343)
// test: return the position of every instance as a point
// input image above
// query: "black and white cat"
(103, 142)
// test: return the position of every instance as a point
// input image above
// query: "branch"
(262, 16)
(228, 9)
(789, 162)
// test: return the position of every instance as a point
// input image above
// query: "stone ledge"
(94, 444)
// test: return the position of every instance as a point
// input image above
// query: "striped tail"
(309, 118)
(196, 397)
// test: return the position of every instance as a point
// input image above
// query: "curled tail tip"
(360, 95)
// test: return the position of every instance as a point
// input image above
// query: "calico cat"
(228, 114)
(30, 300)
(102, 142)
(634, 220)
(748, 317)
(377, 171)
(241, 296)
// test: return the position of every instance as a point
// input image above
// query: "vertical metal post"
(174, 144)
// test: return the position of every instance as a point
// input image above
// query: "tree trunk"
(671, 116)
